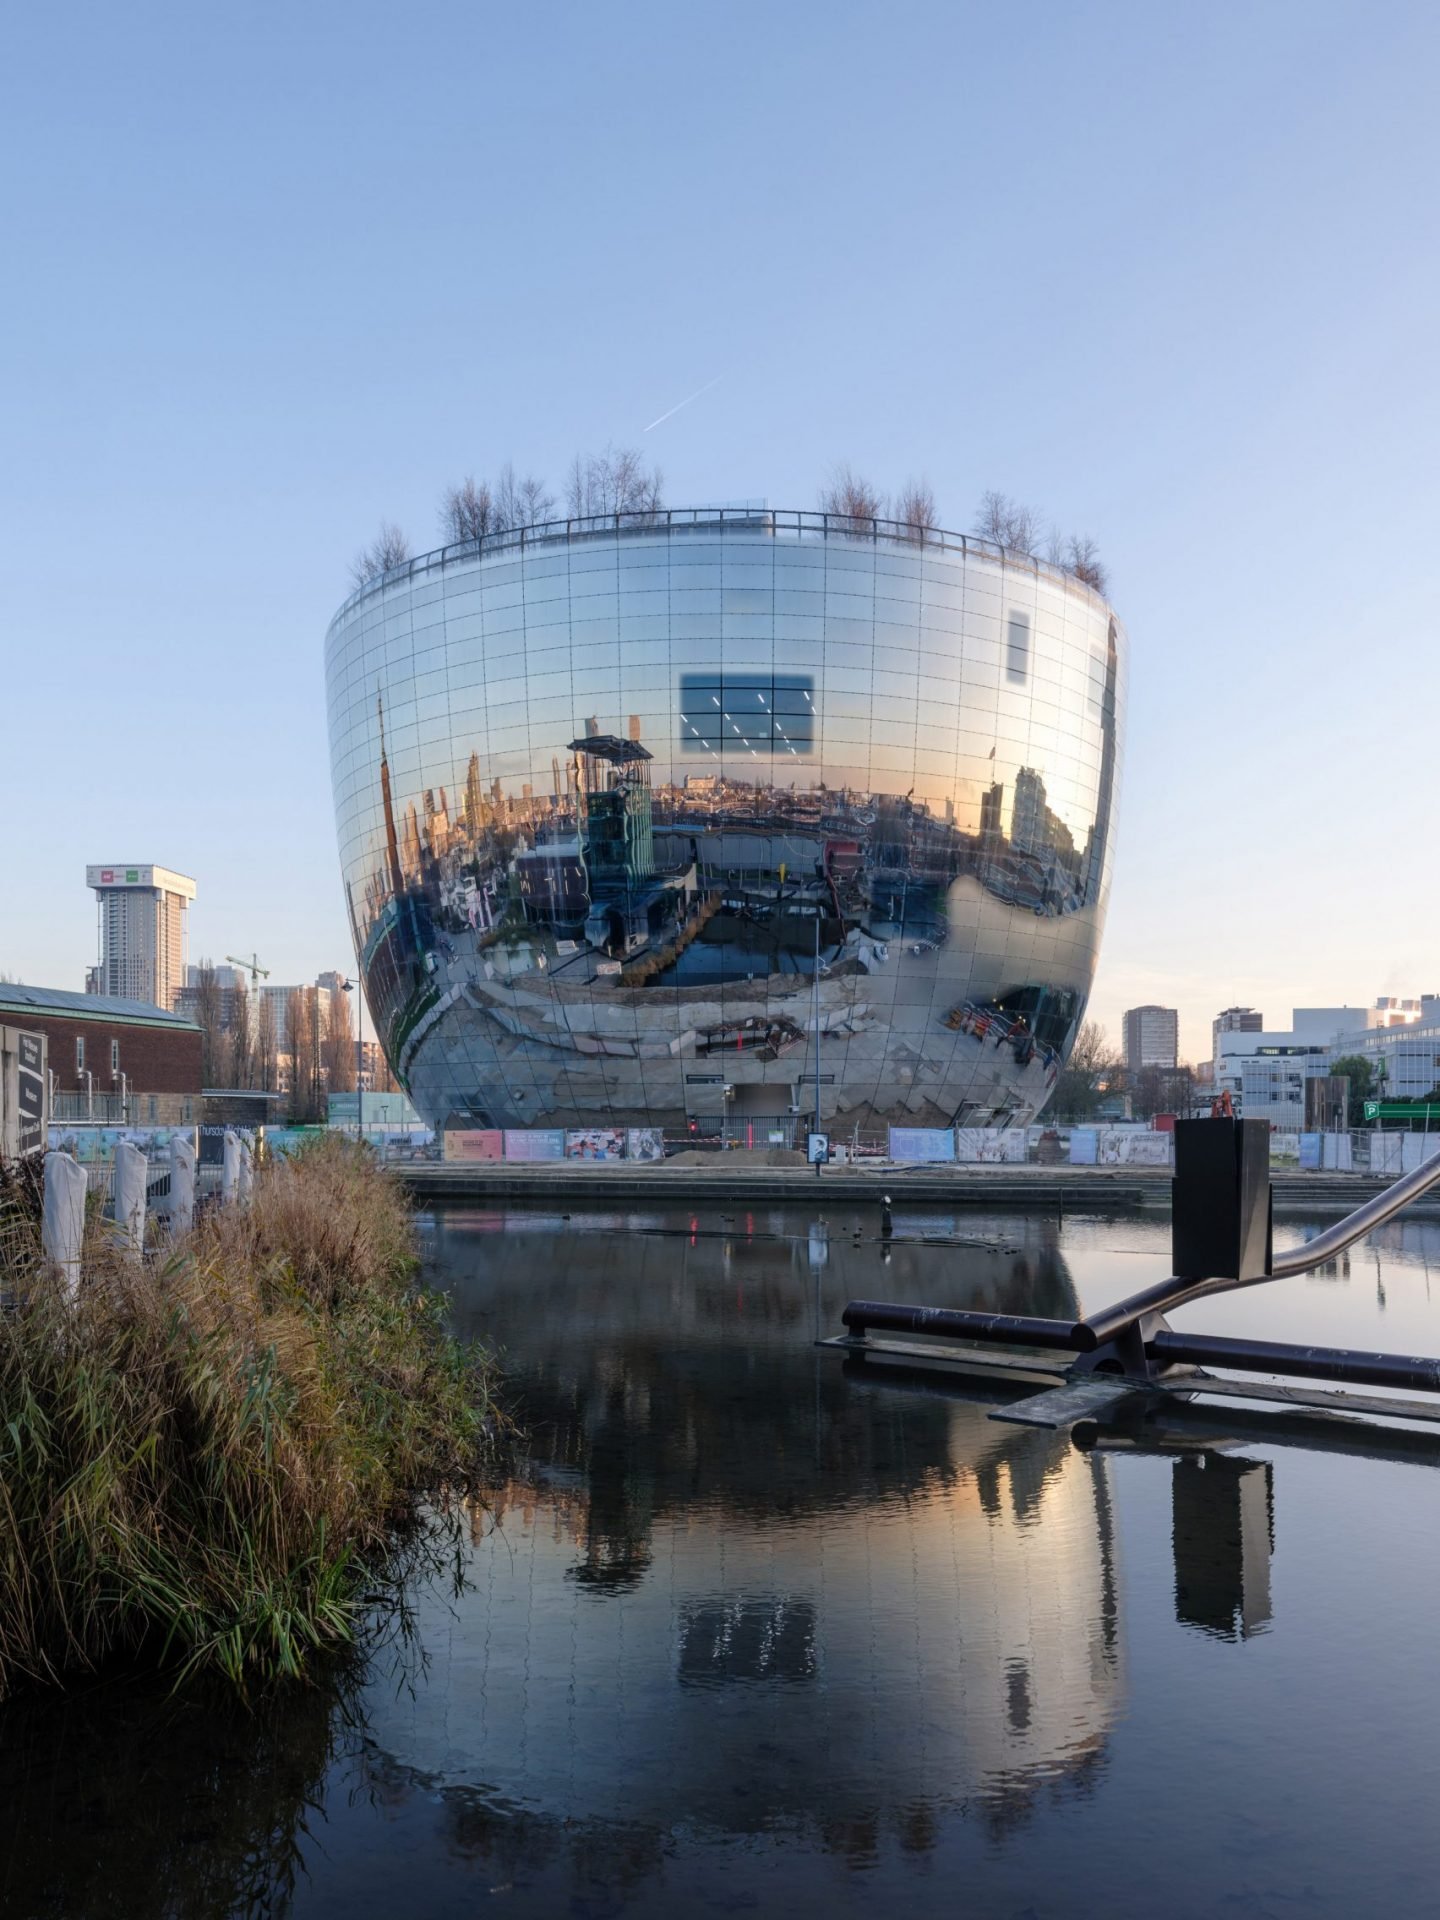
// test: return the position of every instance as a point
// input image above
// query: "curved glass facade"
(720, 817)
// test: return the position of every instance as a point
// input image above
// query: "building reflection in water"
(727, 1587)
(1224, 1537)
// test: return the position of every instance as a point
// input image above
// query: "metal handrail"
(1111, 1321)
(775, 521)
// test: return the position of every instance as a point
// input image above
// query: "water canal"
(743, 1631)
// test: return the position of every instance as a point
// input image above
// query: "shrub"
(208, 1459)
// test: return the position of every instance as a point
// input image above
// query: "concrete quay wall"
(1023, 1189)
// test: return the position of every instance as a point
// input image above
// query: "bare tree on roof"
(615, 481)
(1009, 523)
(850, 497)
(467, 512)
(915, 508)
(388, 549)
(538, 503)
(1082, 558)
(523, 502)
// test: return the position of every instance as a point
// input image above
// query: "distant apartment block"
(1152, 1037)
(142, 915)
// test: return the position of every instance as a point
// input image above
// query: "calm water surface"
(746, 1630)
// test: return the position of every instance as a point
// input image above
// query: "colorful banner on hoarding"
(644, 1143)
(595, 1143)
(474, 1143)
(534, 1143)
(922, 1143)
(94, 1146)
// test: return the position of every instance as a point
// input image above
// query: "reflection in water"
(747, 1628)
(1224, 1537)
(768, 1600)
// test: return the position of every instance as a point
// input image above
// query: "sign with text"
(474, 1143)
(534, 1143)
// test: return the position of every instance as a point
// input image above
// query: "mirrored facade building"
(725, 818)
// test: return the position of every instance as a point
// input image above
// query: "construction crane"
(251, 966)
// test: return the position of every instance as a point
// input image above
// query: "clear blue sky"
(272, 273)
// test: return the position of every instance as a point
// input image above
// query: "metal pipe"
(1346, 1232)
(1105, 1324)
(1019, 1328)
(1413, 1371)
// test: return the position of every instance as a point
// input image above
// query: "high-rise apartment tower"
(142, 914)
(1152, 1037)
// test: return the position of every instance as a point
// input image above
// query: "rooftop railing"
(773, 522)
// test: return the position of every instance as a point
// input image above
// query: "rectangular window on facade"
(1017, 648)
(80, 1054)
(771, 713)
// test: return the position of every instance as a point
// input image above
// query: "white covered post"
(247, 1170)
(230, 1172)
(131, 1172)
(182, 1185)
(63, 1226)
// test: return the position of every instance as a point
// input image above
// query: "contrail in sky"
(685, 403)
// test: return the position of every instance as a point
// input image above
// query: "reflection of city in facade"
(608, 799)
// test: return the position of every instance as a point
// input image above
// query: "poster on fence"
(534, 1143)
(1387, 1153)
(1418, 1148)
(1084, 1146)
(283, 1141)
(644, 1143)
(92, 1145)
(1135, 1149)
(992, 1146)
(922, 1143)
(1310, 1152)
(1336, 1153)
(474, 1143)
(595, 1143)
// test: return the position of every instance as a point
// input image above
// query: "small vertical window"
(80, 1054)
(1017, 648)
(114, 1056)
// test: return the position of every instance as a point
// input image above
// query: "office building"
(1152, 1038)
(719, 816)
(142, 926)
(1233, 1020)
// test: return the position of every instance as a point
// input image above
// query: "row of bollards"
(62, 1229)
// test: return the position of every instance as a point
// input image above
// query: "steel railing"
(774, 522)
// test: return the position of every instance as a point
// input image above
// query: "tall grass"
(207, 1460)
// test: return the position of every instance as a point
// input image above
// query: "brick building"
(120, 1062)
